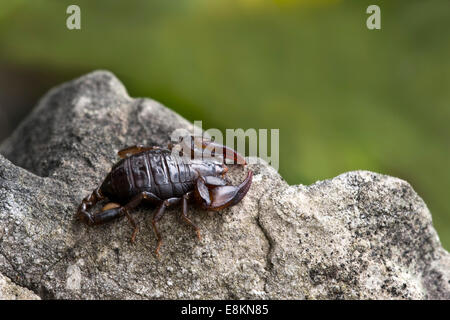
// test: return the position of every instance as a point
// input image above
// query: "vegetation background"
(343, 97)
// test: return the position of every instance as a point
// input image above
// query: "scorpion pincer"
(165, 178)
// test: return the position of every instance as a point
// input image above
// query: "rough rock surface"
(359, 235)
(11, 291)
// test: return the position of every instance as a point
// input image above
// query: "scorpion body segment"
(156, 171)
(164, 178)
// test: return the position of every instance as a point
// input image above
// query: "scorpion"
(164, 178)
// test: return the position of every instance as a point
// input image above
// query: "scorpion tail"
(227, 153)
(221, 197)
(199, 146)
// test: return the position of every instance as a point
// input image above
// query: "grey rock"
(11, 291)
(360, 235)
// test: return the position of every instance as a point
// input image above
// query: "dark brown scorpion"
(162, 177)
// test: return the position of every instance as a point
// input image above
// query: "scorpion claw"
(221, 197)
(85, 217)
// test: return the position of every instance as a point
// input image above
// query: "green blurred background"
(343, 97)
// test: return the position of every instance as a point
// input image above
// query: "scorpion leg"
(133, 204)
(134, 224)
(184, 215)
(129, 151)
(158, 215)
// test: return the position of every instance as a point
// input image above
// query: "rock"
(359, 235)
(11, 291)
